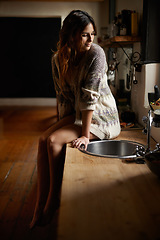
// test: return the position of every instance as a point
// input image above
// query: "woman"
(86, 107)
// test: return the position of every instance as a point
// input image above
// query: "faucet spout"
(150, 118)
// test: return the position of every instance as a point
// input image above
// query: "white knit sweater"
(88, 90)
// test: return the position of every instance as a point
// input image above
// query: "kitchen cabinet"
(151, 32)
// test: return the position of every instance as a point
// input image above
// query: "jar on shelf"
(134, 23)
(123, 30)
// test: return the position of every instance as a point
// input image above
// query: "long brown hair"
(69, 36)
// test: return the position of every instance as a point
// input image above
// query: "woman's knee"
(42, 141)
(54, 143)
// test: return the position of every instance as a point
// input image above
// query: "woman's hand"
(83, 141)
(80, 141)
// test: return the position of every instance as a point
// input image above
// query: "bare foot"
(38, 213)
(35, 221)
(49, 212)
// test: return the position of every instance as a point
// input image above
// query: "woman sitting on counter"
(86, 107)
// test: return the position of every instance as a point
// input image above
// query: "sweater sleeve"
(90, 88)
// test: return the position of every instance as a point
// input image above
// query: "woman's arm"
(86, 123)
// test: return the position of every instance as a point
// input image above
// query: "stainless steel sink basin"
(113, 148)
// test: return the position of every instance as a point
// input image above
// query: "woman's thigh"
(67, 134)
(59, 124)
(65, 131)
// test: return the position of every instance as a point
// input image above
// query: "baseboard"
(28, 101)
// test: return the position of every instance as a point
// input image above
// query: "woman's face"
(87, 38)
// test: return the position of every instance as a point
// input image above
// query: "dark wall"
(151, 31)
(26, 46)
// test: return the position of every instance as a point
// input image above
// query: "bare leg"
(56, 143)
(43, 170)
(42, 183)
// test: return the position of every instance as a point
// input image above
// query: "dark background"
(151, 31)
(26, 46)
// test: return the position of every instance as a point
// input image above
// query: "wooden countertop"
(104, 198)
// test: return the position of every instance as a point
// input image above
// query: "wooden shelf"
(118, 41)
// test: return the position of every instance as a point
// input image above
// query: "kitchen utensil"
(156, 92)
(151, 98)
